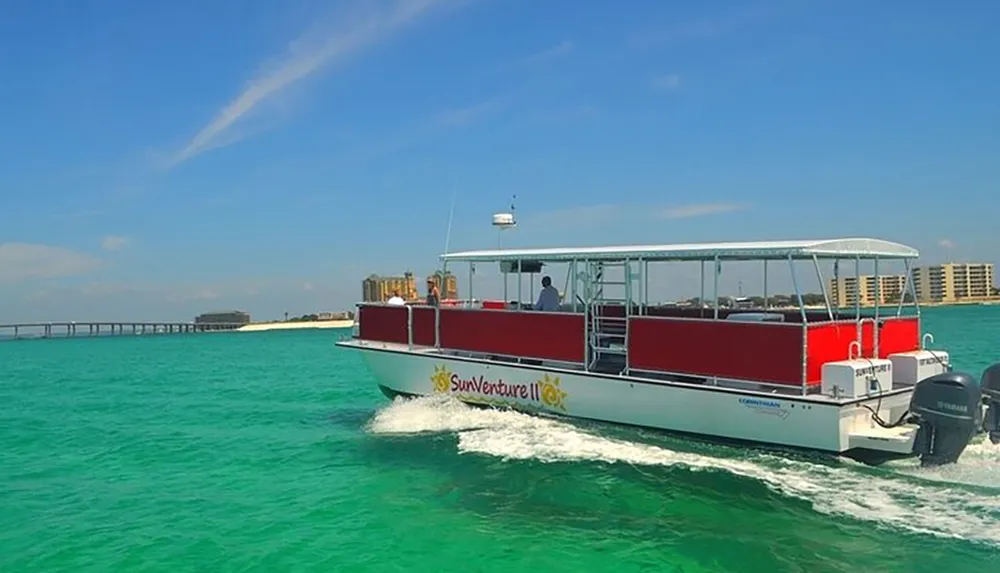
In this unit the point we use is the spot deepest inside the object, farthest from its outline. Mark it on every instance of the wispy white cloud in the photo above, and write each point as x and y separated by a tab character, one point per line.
192	294
305	57
441	122
700	210
80	214
173	293
523	63
946	244
422	131
99	289
568	114
666	82
604	214
115	243
467	115
581	216
206	294
25	261
561	49
265	297
695	30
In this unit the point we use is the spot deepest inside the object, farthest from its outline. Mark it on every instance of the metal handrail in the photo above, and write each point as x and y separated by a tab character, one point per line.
409	327
861	333
852	345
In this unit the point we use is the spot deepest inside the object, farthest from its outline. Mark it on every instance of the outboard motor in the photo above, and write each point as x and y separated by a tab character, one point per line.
946	407
991	396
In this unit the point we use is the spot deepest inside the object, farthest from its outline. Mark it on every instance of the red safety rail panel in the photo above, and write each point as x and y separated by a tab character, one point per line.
707	313
423	325
763	352
828	342
541	335
832	342
383	324
896	335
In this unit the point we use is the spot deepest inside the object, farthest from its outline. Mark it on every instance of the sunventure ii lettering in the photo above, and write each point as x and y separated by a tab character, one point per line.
499	388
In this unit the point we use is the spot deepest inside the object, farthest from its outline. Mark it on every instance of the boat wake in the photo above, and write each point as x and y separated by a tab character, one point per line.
959	501
979	466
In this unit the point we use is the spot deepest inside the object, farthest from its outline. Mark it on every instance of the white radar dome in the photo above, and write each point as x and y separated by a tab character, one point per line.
503	220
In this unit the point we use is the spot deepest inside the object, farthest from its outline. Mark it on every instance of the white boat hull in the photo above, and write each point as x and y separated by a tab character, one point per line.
810	422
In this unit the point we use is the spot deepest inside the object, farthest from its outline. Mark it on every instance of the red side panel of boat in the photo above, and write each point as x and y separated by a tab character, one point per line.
383	323
764	352
423	325
897	335
541	335
828	342
831	342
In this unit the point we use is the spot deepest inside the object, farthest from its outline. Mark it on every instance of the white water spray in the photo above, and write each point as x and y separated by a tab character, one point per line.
927	505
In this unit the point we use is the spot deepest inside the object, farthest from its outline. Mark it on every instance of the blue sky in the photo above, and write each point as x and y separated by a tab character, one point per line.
162	159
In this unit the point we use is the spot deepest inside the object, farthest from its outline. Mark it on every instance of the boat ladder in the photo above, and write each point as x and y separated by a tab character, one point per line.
607	334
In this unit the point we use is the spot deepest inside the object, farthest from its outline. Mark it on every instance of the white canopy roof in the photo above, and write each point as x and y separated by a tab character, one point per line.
760	250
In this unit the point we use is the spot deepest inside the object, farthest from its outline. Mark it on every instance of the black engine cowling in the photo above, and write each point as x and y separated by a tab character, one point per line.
947	409
991	395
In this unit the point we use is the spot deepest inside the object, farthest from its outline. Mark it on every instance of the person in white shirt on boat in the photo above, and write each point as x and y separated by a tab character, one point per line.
395	299
548	298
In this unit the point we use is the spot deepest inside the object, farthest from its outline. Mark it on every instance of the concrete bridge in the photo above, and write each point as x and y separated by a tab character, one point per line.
112	328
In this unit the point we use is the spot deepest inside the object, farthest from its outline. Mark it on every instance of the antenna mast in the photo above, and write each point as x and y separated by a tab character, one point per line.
447	236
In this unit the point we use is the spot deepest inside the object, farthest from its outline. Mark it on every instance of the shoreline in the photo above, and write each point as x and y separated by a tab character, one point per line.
994	301
265	326
976	302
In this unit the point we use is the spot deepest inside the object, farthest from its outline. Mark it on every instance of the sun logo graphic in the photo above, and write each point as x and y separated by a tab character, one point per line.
441	378
552	395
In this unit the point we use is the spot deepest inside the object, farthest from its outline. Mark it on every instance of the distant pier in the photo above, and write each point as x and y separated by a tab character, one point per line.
113	328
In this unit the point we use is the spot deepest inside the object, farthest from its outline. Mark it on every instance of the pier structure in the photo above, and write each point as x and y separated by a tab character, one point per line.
114	328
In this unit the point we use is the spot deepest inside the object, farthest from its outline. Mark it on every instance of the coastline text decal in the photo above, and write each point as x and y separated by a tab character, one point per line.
545	391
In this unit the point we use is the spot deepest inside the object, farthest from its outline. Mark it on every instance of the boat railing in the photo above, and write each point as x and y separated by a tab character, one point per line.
555	336
770	352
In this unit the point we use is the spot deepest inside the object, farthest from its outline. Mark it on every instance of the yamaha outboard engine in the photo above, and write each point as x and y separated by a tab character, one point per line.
946	407
991	396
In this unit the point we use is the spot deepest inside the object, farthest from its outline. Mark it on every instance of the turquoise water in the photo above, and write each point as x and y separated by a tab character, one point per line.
275	452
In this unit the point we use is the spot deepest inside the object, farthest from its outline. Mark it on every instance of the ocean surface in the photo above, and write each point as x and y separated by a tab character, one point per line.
274	451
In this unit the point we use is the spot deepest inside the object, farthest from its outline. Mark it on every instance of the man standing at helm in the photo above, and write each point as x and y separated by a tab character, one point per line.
433	294
548	299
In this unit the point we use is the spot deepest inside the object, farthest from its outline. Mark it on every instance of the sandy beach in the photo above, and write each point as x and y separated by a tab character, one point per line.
262	326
